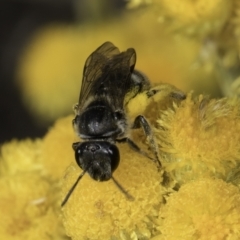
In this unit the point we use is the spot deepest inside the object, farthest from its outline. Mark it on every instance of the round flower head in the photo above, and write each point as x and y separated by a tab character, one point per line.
49	69
200	139
199	18
57	152
17	156
27	211
236	22
203	209
100	210
29	190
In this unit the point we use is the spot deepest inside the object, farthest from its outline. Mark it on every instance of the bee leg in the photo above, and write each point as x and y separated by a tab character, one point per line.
140	80
178	95
173	93
134	146
141	121
152	92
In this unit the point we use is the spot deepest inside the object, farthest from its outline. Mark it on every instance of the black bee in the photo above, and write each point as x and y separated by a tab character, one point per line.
109	82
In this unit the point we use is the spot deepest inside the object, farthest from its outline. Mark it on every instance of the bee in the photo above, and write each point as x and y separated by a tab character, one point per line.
109	83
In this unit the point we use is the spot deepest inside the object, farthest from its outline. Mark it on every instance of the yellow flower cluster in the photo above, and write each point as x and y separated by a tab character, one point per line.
99	210
199	18
194	196
200	210
28	197
200	138
195	18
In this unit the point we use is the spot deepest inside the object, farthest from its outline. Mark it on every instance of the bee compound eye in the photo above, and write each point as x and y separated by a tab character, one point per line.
114	156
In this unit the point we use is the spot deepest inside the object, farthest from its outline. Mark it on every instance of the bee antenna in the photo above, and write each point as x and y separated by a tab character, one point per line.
129	196
72	188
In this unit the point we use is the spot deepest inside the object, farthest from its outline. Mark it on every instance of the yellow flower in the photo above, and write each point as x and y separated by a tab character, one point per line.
31	171
203	209
27	211
197	17
29	182
50	68
18	157
99	210
197	138
57	152
50	155
200	138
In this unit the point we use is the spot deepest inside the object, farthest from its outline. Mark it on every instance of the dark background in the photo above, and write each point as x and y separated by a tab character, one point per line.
19	20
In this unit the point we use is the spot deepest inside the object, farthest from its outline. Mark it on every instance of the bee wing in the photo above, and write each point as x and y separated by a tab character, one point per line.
93	69
117	79
107	73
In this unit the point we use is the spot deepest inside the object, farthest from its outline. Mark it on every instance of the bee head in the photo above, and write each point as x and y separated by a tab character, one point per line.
98	158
